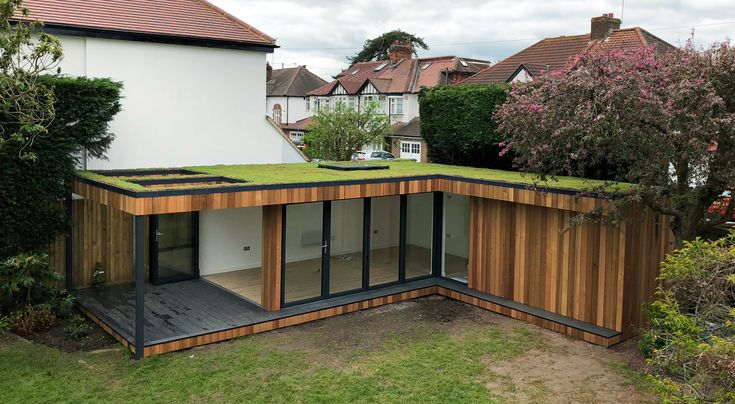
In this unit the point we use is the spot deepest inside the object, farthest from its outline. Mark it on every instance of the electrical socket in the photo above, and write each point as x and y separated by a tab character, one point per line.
246	248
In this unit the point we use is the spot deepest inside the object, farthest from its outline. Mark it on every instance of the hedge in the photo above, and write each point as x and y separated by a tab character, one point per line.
458	126
30	216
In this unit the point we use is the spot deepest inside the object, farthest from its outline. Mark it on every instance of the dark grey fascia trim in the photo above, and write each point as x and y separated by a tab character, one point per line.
57	29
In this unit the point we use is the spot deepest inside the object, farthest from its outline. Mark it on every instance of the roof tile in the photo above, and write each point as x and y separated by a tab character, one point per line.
196	19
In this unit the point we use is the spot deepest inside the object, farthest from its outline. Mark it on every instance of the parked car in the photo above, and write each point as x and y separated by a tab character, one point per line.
373	155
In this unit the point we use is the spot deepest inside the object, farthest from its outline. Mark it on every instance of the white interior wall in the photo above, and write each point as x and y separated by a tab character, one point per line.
385	222
456	225
347	229
419	221
223	234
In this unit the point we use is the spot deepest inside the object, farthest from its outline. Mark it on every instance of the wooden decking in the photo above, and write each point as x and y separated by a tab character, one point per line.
191	313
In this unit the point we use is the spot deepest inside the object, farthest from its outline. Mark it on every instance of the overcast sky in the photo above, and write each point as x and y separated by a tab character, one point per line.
322	33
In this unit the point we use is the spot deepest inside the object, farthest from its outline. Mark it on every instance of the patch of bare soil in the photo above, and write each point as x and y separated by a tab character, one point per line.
56	338
338	339
564	370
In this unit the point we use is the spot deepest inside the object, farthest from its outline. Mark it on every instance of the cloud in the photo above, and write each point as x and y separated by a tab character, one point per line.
322	34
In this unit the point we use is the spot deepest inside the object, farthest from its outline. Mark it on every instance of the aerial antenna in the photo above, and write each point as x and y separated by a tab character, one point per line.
622	10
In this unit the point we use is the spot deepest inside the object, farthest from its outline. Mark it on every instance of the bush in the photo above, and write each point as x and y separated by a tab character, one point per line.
30	217
26	280
64	304
77	327
98	276
690	342
458	125
31	320
4	324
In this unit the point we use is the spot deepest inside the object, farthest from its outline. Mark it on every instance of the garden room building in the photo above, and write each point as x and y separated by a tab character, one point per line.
203	254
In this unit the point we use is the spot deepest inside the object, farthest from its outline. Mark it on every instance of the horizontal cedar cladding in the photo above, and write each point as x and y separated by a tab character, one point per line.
192	19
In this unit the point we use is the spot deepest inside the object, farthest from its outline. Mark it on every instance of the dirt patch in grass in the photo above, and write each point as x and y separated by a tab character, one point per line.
56	337
554	368
567	370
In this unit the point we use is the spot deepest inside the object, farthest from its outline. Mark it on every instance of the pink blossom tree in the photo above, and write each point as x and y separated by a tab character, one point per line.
665	120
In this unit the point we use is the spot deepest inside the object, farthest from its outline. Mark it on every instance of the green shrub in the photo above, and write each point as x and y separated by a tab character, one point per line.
64	304
98	276
458	125
26	280
4	324
77	327
31	320
690	341
30	216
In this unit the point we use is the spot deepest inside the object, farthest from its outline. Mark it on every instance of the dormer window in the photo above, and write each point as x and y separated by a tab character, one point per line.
382	65
425	66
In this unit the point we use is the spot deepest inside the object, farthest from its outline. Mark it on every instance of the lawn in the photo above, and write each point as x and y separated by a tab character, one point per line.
429	350
263	174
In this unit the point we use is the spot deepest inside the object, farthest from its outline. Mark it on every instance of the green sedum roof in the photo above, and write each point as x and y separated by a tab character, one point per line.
269	174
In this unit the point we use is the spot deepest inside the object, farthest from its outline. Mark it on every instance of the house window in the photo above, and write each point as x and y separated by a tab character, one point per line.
321	103
308	103
396	105
297	136
348	102
277	114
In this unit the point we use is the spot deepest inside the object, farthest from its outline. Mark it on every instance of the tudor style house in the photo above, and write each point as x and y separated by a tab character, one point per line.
287	98
193	75
394	84
555	53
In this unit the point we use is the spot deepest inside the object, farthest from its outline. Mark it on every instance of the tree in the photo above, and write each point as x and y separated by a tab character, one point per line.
458	125
336	134
668	119
26	53
377	48
49	123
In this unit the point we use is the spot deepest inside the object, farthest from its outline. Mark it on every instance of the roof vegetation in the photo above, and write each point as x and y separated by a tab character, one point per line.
267	174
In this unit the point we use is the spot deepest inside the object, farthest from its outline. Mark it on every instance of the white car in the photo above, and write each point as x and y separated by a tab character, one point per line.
373	155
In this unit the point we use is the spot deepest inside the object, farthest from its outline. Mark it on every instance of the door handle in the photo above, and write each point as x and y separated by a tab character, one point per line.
158	236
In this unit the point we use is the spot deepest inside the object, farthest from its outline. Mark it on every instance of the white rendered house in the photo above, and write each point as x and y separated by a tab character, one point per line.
194	80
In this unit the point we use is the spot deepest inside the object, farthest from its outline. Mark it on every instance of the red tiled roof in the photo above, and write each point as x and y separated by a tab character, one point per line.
555	53
301	124
549	53
406	76
196	19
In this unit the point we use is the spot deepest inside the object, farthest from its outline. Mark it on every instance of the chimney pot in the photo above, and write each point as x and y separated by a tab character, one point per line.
601	26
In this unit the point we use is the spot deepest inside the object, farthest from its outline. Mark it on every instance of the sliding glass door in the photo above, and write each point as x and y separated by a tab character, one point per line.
337	247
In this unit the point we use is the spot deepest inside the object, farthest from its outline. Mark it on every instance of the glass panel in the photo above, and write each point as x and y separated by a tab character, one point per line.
345	265
175	246
384	239
419	234
303	275
456	236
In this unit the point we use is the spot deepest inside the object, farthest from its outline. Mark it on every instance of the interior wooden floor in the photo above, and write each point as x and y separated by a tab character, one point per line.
303	278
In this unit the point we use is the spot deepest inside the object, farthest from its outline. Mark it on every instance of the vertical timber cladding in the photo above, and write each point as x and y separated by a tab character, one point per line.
272	256
101	234
530	254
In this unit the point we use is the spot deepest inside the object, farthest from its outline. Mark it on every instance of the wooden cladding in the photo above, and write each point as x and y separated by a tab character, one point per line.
101	235
272	255
262	197
591	272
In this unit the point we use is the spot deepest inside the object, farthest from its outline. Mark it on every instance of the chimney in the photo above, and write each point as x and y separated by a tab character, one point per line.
601	26
268	72
400	50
